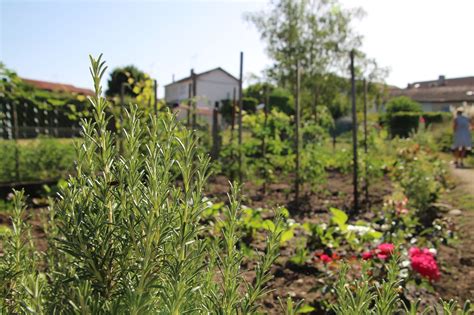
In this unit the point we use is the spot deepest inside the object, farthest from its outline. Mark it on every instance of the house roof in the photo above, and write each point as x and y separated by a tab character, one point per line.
442	81
201	74
439	91
51	86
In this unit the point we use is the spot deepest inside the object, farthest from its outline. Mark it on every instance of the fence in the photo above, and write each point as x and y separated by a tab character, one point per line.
25	120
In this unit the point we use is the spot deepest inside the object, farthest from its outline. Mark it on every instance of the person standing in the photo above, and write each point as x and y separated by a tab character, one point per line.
462	137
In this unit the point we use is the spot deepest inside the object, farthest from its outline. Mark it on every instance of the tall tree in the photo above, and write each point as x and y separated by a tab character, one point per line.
318	34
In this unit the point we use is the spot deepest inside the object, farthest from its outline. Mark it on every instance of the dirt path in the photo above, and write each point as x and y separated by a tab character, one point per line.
465	177
457	261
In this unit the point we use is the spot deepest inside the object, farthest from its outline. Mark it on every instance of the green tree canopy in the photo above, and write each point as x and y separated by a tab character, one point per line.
319	35
130	75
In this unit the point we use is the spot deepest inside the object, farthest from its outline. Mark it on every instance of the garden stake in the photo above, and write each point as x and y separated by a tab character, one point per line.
15	136
366	186
240	115
193	77
264	146
190	97
354	133
155	87
297	135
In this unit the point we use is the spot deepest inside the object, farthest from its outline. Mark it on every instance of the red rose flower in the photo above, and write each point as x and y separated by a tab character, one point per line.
385	250
325	258
423	262
367	255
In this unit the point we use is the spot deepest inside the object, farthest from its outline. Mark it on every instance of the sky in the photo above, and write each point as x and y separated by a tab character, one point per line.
51	40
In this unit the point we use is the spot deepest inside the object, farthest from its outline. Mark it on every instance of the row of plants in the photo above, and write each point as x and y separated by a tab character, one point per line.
37	159
407	226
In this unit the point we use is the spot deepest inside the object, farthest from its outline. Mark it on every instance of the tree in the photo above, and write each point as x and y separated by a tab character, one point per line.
130	76
317	34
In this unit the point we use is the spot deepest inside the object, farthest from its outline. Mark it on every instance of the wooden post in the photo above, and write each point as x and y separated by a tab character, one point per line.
366	186
232	122
215	132
297	135
240	115
354	134
265	123
15	137
3	116
193	77
155	103
190	103
24	123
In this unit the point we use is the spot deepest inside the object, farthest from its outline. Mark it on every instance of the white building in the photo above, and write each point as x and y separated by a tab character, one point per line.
211	86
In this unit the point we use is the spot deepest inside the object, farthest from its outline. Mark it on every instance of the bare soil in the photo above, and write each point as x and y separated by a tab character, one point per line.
457	261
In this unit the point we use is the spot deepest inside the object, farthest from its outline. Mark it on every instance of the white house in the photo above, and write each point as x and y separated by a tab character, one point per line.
211	86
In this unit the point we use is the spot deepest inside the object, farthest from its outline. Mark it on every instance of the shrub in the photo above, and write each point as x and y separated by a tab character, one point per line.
125	235
402	124
436	117
365	296
249	104
282	100
226	110
402	104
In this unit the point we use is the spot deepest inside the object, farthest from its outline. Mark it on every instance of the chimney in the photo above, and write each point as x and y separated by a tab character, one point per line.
441	80
173	77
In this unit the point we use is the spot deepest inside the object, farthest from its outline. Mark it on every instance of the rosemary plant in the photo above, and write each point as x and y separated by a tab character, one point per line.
363	296
125	235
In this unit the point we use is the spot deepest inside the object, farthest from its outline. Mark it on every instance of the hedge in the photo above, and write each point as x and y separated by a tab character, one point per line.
249	104
403	123
436	117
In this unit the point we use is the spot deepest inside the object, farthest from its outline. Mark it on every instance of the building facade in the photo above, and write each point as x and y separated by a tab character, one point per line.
211	87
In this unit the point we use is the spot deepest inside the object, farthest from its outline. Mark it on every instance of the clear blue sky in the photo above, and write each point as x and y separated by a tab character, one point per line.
50	40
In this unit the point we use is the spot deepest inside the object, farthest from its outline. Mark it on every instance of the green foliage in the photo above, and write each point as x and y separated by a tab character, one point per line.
13	90
22	284
402	124
402	104
249	104
282	100
436	117
278	136
129	76
363	295
39	159
126	234
318	35
421	176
